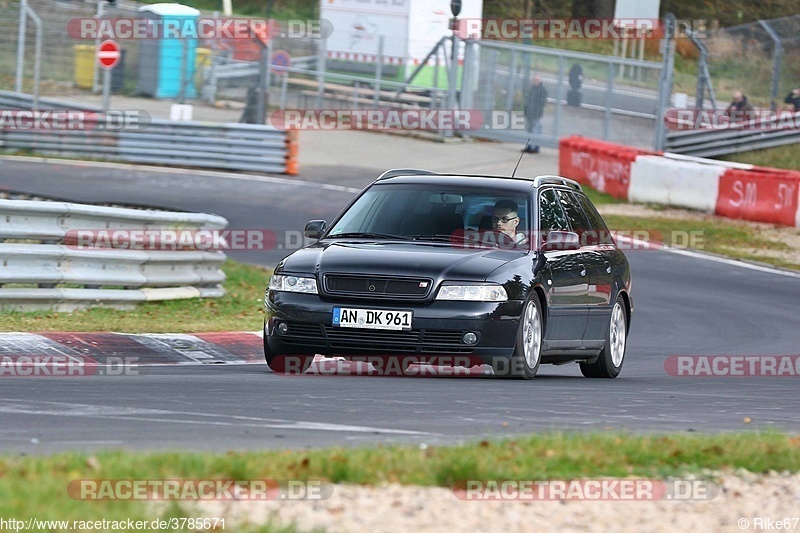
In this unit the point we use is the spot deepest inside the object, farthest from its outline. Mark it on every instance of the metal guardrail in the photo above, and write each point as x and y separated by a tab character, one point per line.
196	144
229	72
62	275
735	138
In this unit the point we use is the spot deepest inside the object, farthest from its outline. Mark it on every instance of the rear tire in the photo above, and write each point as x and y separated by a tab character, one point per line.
609	363
524	364
286	364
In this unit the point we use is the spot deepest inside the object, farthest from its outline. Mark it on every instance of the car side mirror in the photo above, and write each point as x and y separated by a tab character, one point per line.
561	240
315	228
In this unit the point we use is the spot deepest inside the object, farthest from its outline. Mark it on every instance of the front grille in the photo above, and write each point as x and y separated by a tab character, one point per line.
377	286
384	342
304	334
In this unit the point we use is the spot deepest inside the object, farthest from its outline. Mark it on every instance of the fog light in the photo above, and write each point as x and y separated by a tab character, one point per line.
283	329
469	338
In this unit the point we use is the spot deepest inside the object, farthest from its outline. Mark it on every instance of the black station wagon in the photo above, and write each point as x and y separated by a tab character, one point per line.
456	270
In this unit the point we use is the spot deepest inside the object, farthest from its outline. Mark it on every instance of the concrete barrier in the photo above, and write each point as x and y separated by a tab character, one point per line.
727	189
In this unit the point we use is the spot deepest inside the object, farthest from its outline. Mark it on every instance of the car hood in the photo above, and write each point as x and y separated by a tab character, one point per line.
435	261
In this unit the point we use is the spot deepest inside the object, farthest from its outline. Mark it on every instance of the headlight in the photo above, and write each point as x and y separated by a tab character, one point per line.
280	282
487	292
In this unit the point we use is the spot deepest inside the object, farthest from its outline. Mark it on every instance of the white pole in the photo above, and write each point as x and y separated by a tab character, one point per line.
106	89
23	7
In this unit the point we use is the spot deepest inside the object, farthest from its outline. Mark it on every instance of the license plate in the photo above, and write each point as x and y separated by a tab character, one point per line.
346	317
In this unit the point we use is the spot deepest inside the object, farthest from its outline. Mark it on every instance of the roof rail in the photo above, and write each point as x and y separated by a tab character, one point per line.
406	172
556	180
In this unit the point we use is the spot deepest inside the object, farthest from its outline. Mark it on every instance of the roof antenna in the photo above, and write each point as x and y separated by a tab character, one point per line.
527	143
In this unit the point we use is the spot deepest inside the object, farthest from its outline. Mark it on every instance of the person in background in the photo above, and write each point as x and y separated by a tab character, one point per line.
793	99
739	109
535	100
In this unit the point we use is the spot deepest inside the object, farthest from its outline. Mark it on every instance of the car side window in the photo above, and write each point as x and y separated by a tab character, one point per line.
577	220
600	230
551	216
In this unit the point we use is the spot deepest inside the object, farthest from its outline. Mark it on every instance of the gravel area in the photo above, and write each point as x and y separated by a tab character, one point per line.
393	508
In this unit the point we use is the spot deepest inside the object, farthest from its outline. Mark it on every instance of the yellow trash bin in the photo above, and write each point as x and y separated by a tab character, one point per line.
201	61
84	65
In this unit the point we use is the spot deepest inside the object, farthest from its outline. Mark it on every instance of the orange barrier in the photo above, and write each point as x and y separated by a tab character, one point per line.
760	194
291	153
603	166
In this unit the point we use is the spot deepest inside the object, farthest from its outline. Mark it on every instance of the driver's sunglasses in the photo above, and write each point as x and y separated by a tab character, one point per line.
504	220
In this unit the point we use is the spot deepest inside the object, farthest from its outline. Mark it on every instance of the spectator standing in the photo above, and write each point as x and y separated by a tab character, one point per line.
535	100
793	99
739	109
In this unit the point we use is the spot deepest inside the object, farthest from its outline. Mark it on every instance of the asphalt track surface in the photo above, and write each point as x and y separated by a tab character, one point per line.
684	305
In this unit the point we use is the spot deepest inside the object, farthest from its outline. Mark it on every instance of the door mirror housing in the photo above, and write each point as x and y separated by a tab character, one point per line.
315	228
561	240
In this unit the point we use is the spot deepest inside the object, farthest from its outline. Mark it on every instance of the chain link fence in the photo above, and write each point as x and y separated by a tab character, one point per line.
65	61
615	99
592	95
761	59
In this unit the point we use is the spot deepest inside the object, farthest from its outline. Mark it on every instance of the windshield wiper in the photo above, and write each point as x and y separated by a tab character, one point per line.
439	237
367	235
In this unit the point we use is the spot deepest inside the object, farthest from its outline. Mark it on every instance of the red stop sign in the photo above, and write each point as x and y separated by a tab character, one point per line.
108	54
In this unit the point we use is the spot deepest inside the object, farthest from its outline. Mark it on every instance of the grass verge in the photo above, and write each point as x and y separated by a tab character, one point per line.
780	157
37	486
738	240
241	309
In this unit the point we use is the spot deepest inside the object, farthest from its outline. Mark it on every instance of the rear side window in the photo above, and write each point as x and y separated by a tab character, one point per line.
600	235
572	209
551	216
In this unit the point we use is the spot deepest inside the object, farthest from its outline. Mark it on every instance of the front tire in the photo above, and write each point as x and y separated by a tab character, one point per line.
286	364
524	364
609	363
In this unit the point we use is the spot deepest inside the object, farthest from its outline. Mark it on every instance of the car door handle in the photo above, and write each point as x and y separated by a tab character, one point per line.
583	270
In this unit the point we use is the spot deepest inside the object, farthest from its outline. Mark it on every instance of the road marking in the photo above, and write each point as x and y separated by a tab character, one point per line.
699	255
133	413
183	171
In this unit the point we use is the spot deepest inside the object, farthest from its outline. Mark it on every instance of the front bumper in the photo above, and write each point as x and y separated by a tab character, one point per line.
437	329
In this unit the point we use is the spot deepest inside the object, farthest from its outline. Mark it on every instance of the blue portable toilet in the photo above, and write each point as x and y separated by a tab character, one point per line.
167	63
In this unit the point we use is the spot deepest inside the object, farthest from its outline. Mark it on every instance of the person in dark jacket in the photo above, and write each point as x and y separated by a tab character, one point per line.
739	109
794	99
535	100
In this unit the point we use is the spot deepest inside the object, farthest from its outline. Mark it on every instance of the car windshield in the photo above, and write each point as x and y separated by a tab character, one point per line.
436	213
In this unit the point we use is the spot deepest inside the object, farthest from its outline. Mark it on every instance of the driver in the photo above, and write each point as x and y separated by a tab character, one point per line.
505	219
